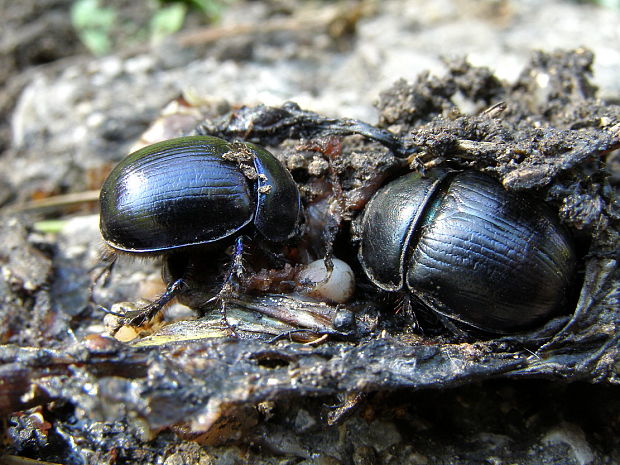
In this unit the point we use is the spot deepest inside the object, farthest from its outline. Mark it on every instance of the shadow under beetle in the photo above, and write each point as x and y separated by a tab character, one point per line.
468	249
183	197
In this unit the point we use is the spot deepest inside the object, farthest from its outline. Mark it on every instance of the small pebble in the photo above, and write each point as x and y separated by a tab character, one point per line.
126	334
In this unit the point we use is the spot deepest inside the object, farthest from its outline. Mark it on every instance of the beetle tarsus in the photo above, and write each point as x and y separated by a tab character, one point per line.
110	312
231	329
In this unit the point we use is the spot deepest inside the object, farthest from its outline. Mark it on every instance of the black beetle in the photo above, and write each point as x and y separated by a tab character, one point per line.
468	249
182	195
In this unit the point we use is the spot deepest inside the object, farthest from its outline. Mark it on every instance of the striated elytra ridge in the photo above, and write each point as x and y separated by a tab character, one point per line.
182	192
468	249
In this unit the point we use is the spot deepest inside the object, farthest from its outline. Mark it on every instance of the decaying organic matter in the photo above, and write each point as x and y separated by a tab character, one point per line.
186	383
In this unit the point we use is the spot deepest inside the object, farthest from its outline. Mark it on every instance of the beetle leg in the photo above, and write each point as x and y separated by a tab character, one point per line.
228	288
137	317
460	334
236	271
309	284
318	335
106	263
404	305
237	262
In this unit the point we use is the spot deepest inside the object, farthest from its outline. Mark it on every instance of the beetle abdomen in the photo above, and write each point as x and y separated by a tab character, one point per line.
174	194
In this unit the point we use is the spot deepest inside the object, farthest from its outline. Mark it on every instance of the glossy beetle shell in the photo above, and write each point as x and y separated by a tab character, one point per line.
182	192
468	249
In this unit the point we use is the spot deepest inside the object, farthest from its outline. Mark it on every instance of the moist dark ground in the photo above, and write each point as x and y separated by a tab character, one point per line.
387	394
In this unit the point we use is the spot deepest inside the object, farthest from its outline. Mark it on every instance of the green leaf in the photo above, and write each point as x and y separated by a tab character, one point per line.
96	40
614	4
93	24
212	8
167	20
87	14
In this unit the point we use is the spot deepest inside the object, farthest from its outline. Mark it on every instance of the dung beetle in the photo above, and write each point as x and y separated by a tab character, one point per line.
468	249
180	197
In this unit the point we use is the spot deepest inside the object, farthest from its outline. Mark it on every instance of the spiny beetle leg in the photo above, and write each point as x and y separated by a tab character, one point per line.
137	317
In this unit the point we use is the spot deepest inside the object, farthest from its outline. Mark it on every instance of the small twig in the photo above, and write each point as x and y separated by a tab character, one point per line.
54	202
319	19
